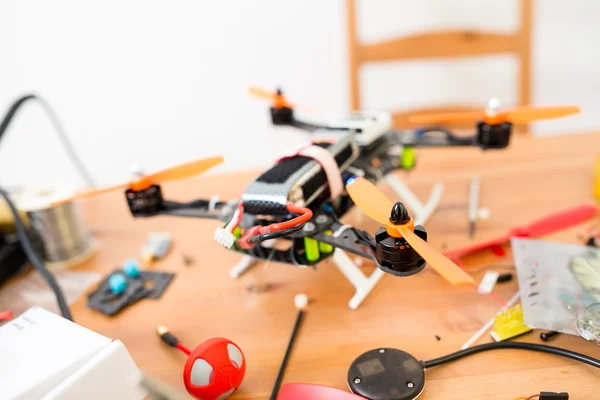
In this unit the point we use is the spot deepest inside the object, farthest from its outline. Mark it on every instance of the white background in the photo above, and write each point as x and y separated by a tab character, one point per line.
163	82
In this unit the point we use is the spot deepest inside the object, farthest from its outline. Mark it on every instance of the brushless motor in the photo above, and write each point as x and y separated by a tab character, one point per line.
395	255
144	202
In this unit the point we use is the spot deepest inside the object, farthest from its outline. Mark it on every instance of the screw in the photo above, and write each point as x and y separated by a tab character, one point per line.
545	336
382	350
357	380
410	385
309	227
321	219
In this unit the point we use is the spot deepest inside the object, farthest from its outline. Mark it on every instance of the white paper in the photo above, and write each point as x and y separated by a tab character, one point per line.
33	290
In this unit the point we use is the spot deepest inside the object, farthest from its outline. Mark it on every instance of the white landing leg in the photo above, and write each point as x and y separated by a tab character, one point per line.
248	262
421	212
363	284
242	266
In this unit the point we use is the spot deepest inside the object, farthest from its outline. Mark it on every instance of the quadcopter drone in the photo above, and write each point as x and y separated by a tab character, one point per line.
291	212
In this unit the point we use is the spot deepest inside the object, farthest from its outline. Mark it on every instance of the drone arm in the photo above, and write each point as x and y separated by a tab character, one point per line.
212	209
349	239
431	137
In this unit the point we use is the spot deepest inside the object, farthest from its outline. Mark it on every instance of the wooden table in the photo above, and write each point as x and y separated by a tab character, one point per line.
533	177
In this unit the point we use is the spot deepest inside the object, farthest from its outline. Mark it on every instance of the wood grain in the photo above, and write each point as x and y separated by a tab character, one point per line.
451	43
531	178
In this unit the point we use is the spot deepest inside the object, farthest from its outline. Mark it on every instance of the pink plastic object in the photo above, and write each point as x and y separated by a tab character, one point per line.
306	391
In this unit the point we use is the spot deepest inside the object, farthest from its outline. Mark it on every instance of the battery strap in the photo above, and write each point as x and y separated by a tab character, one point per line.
329	165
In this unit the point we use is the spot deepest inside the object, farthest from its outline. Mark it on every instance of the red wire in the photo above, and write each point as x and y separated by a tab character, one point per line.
183	348
241	214
304	215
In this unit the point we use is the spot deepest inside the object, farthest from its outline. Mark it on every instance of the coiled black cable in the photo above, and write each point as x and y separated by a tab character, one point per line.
513	345
35	259
10	114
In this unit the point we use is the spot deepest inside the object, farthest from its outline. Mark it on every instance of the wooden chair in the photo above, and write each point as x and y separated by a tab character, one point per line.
443	44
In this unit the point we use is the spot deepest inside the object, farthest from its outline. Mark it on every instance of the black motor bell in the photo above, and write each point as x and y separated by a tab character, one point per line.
394	255
145	202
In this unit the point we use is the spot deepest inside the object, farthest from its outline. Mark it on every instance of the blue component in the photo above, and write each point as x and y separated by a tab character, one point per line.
117	283
327	207
350	180
131	268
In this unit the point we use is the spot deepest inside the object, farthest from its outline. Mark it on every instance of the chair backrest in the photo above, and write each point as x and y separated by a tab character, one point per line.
443	44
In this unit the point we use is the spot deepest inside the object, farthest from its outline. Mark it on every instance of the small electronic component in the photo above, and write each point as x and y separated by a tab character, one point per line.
386	373
120	290
156	246
554	396
509	324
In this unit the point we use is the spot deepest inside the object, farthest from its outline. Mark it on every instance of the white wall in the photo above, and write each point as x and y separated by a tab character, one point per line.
162	82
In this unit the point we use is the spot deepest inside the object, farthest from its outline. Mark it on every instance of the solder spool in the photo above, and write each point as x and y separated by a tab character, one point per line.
57	226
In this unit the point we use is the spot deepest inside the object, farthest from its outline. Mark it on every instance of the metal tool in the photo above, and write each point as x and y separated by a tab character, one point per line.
474	190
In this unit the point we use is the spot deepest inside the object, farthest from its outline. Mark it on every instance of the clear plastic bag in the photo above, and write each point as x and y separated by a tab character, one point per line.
31	289
560	286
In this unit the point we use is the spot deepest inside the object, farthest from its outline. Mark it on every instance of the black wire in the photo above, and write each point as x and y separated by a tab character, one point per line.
34	258
57	126
286	357
513	345
279	234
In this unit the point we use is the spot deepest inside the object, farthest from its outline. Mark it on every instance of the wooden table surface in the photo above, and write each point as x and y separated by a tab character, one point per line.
533	177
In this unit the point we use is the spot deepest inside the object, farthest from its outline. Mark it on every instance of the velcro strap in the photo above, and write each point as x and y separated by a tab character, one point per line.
329	165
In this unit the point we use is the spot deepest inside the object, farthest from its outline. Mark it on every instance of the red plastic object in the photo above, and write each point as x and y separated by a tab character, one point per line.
6	315
306	391
213	369
544	226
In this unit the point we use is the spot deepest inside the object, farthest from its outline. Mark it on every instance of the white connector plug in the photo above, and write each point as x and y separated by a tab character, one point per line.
224	237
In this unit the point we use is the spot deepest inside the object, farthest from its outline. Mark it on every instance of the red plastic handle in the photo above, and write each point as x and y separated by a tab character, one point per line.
558	221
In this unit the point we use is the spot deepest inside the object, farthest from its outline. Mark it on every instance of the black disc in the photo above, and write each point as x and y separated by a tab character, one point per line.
386	374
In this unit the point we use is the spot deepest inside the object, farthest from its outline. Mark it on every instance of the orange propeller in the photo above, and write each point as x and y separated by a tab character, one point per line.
182	171
277	98
494	115
377	206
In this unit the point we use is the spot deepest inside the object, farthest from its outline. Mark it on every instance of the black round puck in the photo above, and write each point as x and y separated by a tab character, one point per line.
386	374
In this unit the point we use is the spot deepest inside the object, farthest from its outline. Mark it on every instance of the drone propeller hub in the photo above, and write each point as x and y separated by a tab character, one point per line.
399	214
393	231
141	183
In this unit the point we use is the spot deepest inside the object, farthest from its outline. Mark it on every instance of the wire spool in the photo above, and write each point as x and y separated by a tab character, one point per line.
59	230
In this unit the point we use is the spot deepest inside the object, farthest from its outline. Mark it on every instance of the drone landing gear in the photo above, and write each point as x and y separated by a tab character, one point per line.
350	269
420	211
362	283
242	266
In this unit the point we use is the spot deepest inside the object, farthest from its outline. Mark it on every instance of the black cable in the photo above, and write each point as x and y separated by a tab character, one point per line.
34	258
286	357
279	234
57	126
513	345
